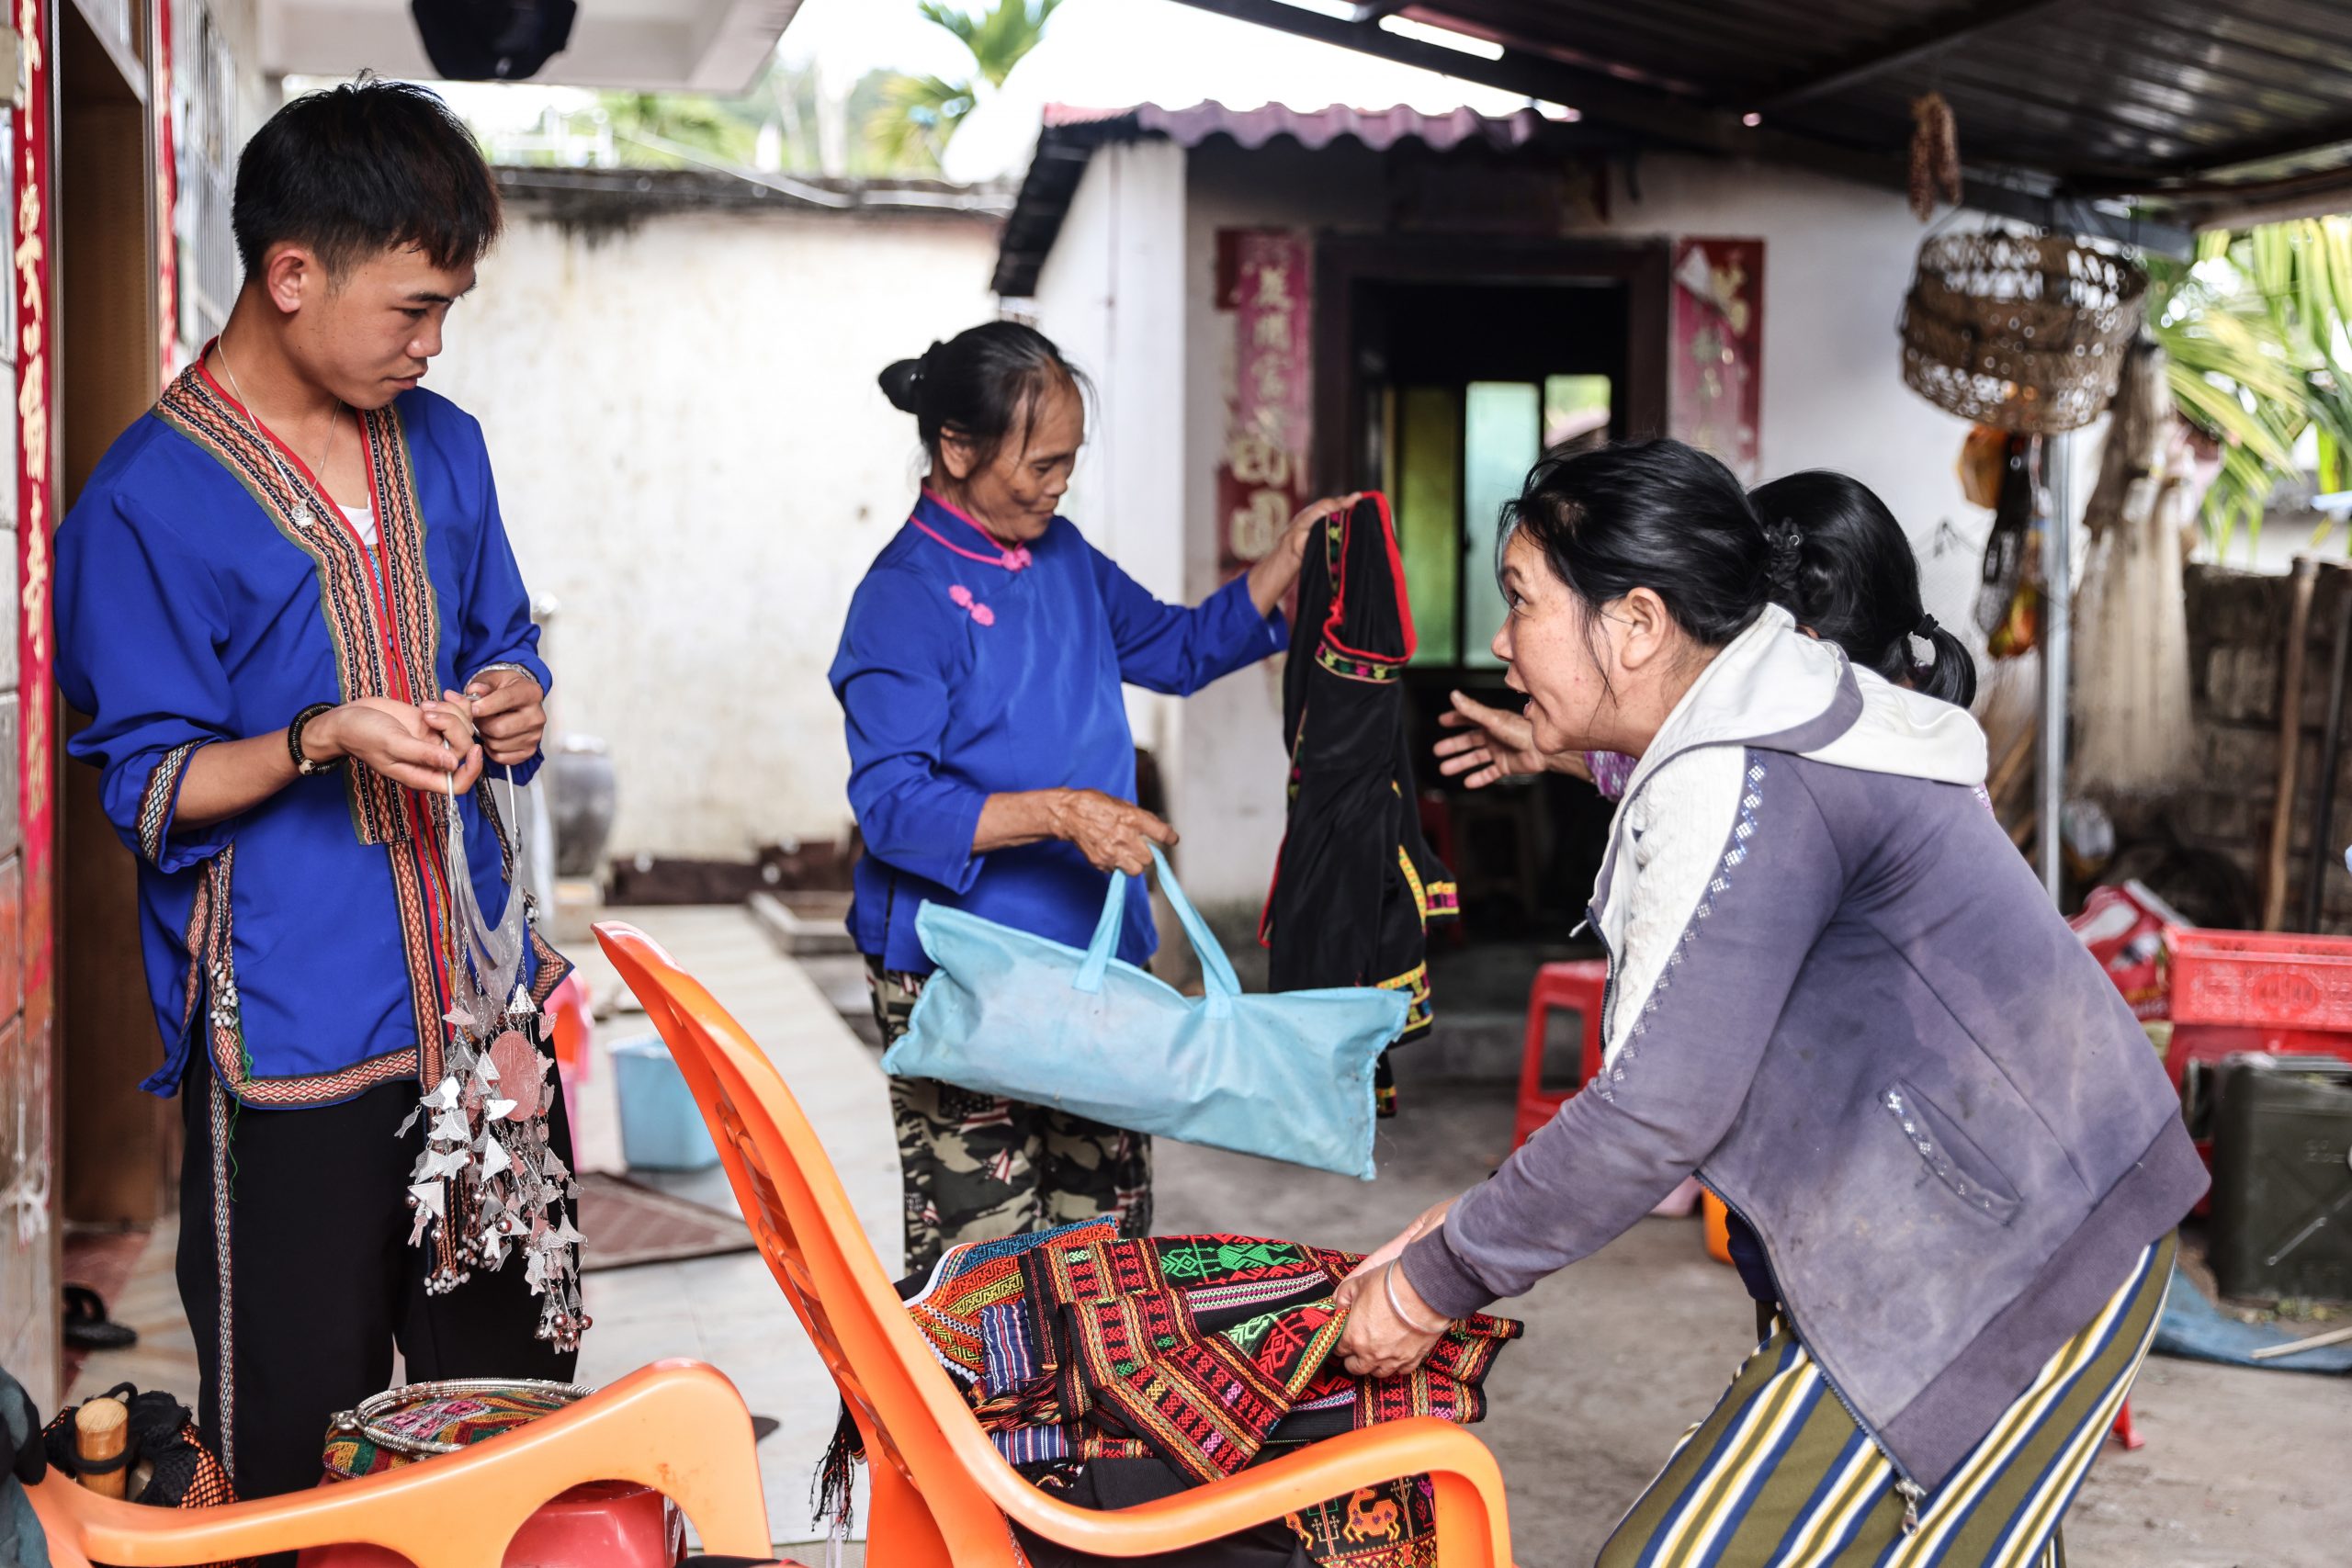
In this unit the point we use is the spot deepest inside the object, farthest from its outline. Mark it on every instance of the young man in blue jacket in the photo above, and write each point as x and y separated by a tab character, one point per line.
286	601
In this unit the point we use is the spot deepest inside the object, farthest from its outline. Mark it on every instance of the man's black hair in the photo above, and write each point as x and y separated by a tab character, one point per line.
362	168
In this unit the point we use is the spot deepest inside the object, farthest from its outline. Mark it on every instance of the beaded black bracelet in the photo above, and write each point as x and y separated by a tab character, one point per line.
304	765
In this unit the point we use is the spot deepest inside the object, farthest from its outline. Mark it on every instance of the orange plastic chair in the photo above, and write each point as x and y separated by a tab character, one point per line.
943	1497
677	1426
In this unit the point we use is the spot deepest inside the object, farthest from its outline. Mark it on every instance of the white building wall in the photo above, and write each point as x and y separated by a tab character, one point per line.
693	459
1838	261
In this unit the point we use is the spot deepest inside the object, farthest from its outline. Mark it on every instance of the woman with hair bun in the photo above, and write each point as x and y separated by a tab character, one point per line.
992	766
1856	584
1839	998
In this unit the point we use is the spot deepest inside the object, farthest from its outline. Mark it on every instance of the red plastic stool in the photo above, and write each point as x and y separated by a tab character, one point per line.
1577	987
2125	1432
603	1524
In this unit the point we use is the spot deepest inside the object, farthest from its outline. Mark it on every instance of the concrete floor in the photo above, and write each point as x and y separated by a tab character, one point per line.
1624	1353
1626	1350
2242	1469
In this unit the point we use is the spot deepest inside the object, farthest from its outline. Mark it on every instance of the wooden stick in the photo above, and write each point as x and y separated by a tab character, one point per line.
101	1430
2332	1337
2290	737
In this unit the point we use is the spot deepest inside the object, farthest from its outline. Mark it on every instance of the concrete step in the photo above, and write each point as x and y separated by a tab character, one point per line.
801	934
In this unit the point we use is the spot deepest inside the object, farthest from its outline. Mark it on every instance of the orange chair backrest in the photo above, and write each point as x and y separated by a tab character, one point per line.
910	1415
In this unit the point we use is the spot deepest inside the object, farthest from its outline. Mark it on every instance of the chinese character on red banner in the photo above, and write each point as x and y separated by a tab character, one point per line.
1261	473
25	1153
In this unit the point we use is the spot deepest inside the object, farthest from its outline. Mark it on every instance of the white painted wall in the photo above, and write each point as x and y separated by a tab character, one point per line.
1838	260
693	458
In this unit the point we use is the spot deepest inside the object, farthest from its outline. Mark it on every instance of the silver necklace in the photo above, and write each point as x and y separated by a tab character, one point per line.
303	516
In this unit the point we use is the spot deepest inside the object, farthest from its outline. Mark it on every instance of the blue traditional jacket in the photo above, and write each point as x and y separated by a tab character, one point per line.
966	670
208	589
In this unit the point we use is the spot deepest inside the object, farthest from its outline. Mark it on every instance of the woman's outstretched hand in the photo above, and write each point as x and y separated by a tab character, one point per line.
1493	744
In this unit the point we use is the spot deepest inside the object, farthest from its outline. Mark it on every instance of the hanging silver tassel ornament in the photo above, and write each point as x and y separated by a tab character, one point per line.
488	1184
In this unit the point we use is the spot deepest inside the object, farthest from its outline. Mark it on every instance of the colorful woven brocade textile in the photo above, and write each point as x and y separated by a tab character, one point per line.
1203	1352
461	1418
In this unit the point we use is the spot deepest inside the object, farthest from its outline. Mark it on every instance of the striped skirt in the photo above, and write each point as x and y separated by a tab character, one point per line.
1780	1476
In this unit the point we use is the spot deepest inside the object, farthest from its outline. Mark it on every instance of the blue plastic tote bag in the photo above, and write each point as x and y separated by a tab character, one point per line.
1288	1077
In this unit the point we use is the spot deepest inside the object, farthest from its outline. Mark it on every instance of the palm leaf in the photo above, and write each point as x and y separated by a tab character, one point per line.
2226	416
954	18
998	37
2259	332
917	115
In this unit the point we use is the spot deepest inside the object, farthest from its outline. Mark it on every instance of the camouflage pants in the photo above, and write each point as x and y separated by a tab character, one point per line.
975	1166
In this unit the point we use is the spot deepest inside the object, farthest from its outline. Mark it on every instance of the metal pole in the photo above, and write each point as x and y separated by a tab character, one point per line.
2057	654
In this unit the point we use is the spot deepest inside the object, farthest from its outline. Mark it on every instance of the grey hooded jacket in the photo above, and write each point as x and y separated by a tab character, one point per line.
1838	996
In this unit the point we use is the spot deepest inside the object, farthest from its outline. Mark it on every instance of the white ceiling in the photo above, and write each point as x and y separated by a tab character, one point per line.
708	46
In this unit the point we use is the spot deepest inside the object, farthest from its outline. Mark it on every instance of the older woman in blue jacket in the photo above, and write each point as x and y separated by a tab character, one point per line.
1837	996
992	766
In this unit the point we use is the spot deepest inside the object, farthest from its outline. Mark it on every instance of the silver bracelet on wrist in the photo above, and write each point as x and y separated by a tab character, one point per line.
1388	1287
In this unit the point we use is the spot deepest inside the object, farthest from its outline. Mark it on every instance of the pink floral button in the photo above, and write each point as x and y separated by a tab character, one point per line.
964	601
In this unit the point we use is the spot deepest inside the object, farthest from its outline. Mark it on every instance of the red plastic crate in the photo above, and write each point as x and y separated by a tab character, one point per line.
2259	979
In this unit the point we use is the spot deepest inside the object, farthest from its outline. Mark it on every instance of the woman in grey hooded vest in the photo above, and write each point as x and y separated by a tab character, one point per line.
1840	998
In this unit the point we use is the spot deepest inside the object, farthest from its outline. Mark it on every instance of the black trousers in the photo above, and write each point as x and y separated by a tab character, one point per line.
295	1269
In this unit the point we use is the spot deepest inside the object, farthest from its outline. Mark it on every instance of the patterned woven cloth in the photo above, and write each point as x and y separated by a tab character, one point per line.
1202	1352
459	1419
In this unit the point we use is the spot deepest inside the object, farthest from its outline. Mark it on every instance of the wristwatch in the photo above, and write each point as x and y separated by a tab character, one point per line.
306	766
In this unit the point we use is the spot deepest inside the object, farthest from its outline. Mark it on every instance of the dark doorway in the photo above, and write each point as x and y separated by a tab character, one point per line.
1444	368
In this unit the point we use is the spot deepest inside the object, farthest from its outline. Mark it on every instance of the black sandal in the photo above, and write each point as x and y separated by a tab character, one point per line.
87	1326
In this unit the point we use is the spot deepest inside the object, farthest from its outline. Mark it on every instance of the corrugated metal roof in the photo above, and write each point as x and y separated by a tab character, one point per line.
1070	134
2195	110
2135	119
1375	129
621	197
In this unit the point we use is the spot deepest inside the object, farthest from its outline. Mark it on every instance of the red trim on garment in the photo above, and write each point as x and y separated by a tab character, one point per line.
440	906
1011	557
1266	911
1397	575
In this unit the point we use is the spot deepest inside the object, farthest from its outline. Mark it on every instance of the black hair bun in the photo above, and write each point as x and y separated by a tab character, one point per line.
901	382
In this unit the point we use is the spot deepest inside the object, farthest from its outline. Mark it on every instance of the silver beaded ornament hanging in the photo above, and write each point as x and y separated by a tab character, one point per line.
488	1184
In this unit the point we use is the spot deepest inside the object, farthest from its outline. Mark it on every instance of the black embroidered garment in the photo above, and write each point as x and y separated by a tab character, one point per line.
1355	885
